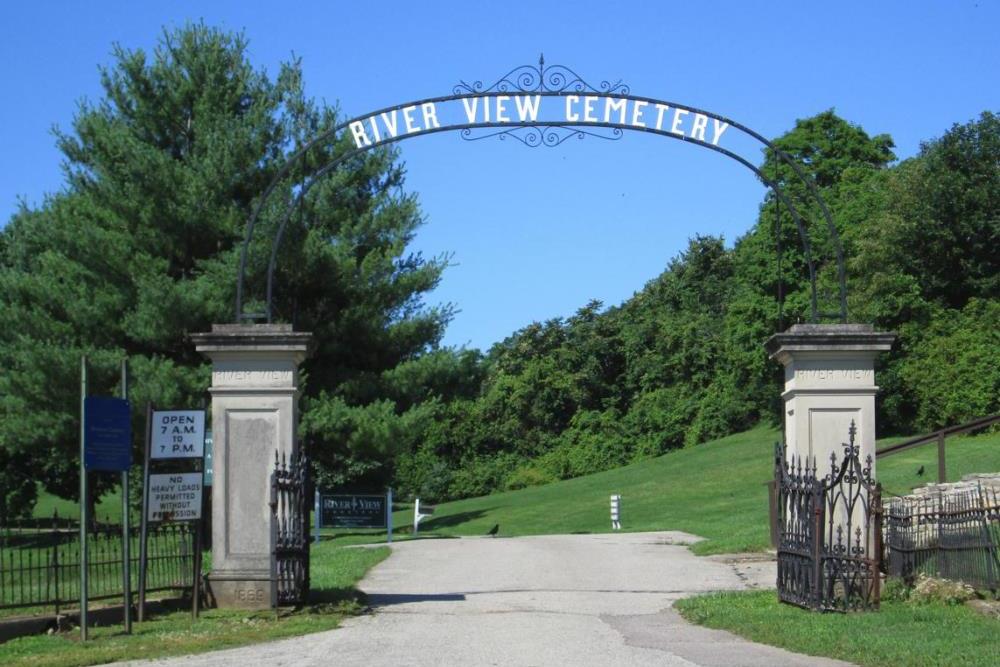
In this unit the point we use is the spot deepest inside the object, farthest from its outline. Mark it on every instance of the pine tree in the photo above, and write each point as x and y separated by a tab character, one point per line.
140	249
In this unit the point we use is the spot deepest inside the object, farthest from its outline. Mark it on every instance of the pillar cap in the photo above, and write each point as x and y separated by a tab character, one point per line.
253	338
829	338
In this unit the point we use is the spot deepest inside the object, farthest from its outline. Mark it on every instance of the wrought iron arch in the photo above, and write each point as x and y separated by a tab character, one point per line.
541	81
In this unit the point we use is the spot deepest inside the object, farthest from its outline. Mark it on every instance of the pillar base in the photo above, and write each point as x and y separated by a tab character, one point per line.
247	590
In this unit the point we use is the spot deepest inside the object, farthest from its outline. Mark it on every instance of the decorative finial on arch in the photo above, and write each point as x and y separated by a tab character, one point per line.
541	79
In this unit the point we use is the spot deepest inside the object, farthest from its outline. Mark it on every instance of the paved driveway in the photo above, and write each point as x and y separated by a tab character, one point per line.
549	600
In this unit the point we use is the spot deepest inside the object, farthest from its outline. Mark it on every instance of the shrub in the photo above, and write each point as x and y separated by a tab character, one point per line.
529	475
930	590
482	475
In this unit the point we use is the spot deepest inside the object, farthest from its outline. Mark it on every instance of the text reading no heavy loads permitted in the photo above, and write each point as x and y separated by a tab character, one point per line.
175	497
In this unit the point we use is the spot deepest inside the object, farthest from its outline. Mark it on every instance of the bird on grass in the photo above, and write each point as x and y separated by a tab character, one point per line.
494	530
920	472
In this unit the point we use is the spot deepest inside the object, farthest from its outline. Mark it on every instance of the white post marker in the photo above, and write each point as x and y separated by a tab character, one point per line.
388	515
616	523
317	518
419	515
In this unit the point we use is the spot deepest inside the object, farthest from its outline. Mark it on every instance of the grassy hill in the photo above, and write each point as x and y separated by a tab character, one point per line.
716	490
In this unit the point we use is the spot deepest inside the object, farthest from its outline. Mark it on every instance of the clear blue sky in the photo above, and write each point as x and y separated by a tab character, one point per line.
536	233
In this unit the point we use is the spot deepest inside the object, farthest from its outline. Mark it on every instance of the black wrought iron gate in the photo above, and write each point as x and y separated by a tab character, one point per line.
829	531
289	530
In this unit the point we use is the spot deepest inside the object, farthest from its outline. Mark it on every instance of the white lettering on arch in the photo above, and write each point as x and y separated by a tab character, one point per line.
527	107
360	138
615	104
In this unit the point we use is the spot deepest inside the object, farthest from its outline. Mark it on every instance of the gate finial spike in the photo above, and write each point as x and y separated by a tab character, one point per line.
541	61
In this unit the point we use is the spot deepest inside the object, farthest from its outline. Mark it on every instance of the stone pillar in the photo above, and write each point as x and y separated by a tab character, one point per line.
829	382
254	414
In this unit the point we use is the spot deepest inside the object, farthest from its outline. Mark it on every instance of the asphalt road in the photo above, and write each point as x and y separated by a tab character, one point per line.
550	600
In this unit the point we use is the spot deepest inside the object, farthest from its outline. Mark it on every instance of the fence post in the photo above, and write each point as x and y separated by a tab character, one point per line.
772	510
55	555
83	500
942	474
817	545
144	521
126	532
942	559
274	534
306	480
316	514
877	545
196	574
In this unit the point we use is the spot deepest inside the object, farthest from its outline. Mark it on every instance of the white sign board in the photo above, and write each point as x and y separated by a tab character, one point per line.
178	434
175	497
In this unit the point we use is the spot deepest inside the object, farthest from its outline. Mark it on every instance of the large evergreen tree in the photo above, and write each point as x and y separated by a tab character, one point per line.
140	249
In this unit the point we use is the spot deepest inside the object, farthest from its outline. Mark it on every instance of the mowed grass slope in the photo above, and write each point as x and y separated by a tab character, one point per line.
715	490
710	490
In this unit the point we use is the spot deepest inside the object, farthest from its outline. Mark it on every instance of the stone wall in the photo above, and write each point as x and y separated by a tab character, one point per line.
989	481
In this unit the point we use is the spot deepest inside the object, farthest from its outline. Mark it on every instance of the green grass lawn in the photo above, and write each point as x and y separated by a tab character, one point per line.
334	573
901	634
108	508
964	454
715	490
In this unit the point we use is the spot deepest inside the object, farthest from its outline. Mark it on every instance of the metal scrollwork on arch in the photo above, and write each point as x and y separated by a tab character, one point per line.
527	86
541	78
550	136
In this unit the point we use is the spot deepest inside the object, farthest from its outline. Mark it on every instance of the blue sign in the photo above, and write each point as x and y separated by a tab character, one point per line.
107	434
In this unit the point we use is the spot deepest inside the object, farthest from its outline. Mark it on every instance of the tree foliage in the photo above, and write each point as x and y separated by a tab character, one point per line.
682	361
140	249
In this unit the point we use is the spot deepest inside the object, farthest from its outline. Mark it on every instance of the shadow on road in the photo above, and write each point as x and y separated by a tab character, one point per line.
388	599
335	595
449	520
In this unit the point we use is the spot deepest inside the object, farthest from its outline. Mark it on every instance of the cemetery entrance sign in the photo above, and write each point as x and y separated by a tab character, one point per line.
541	106
352	511
256	359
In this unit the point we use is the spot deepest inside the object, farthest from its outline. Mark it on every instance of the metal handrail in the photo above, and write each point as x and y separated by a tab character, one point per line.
939	437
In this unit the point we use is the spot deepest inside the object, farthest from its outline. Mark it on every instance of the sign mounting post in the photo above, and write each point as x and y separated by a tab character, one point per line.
175	439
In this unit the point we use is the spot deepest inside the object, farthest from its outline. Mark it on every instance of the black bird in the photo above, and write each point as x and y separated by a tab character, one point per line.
494	530
920	472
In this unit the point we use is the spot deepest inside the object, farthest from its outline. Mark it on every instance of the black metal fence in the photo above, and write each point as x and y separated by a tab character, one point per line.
40	562
290	494
952	536
829	531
